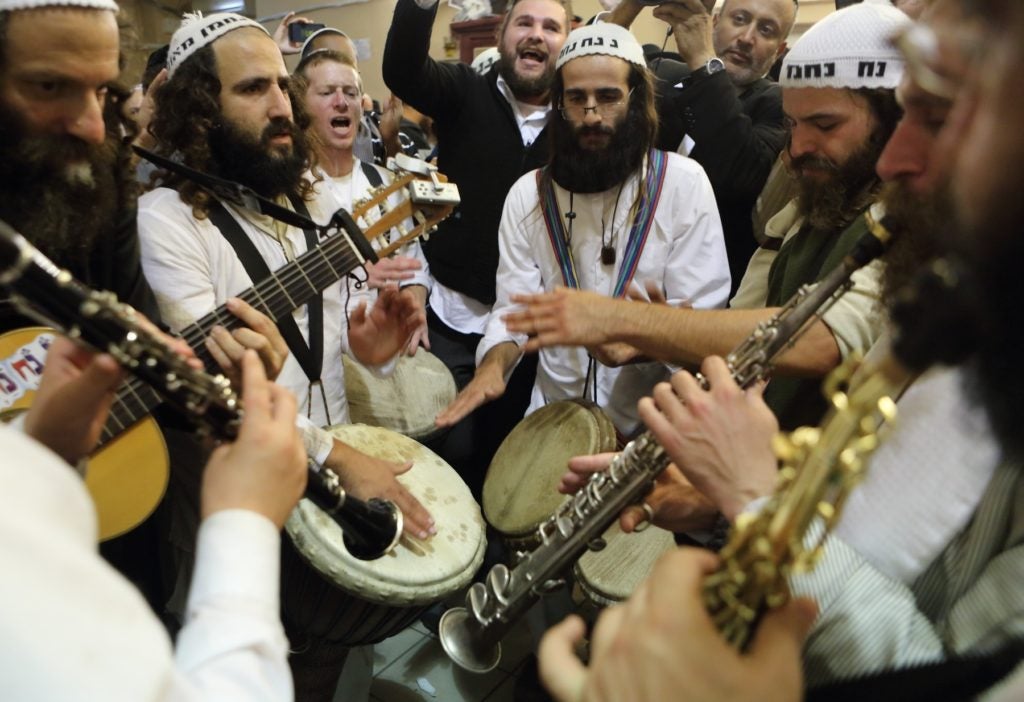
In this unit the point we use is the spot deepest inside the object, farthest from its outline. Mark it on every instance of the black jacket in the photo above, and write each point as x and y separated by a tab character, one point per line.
480	149
738	136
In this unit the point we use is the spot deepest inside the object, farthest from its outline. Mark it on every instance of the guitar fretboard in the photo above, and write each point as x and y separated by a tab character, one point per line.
287	289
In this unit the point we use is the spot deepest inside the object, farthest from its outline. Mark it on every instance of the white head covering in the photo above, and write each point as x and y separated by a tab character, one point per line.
848	49
12	5
307	46
485	59
197	31
601	38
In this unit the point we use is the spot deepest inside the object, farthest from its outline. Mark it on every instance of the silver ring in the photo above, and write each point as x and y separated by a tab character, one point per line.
647	520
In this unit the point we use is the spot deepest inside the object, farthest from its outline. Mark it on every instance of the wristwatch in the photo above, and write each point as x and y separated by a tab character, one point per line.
713	66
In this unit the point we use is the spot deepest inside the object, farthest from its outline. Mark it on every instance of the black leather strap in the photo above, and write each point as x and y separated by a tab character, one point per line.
310	357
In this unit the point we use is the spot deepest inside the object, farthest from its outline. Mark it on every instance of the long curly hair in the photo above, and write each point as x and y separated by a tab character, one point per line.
188	116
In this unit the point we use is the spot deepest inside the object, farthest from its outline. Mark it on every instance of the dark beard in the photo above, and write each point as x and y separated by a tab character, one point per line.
63	209
523	87
992	250
593	171
831	205
269	170
916	222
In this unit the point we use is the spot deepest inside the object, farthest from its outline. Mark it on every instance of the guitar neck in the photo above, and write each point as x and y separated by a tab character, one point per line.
424	202
287	289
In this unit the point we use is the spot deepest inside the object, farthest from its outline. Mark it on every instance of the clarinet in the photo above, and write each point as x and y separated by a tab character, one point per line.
53	296
471	635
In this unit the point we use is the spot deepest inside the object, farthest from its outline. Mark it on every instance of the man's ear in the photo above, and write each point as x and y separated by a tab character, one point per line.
781	50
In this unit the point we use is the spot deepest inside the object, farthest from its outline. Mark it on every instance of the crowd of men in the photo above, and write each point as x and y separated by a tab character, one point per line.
605	248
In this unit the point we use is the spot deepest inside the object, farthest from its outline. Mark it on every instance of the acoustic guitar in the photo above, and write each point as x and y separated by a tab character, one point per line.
128	472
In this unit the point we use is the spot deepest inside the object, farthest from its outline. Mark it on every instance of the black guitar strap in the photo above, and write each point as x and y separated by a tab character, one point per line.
310	357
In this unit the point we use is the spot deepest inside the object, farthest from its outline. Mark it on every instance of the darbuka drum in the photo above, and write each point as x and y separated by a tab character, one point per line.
521	487
407	401
355	602
611	575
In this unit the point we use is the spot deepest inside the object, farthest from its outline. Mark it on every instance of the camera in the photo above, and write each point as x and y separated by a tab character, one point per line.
299	32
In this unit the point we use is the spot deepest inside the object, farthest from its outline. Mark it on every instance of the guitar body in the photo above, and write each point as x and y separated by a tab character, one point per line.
126	476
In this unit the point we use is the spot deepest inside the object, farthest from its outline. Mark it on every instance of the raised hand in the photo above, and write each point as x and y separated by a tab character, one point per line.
376	336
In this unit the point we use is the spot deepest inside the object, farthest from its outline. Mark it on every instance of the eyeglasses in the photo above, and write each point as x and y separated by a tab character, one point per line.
605	105
923	50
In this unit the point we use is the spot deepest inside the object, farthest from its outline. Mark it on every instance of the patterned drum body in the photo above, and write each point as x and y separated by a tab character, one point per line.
521	487
610	575
407	401
344	599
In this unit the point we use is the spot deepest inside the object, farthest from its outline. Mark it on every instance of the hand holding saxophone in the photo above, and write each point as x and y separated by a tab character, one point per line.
720	438
662	644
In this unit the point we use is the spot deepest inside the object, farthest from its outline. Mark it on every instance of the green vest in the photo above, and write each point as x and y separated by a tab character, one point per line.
807	257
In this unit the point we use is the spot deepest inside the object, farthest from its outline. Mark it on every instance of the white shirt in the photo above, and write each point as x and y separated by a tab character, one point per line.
72	628
193	270
906	511
684	254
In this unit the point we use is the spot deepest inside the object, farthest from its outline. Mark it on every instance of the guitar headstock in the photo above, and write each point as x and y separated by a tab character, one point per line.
428	199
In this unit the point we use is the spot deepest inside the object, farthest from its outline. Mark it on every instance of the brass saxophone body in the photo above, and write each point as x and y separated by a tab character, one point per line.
471	635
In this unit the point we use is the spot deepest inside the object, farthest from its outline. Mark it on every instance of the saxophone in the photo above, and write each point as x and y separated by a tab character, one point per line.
471	635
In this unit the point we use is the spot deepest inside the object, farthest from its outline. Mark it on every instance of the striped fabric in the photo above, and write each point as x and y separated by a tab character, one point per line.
969	600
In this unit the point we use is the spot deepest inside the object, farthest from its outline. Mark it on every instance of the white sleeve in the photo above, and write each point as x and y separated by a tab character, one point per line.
233	645
518	272
697	270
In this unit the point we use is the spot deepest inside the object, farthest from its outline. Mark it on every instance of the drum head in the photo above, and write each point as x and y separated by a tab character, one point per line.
407	401
416	572
520	490
613	573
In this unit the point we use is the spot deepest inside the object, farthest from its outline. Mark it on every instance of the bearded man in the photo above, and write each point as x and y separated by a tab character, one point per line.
490	130
607	210
64	178
226	110
840	113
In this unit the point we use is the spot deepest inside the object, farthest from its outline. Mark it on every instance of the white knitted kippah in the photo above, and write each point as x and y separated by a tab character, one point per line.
307	46
197	31
849	48
601	38
13	5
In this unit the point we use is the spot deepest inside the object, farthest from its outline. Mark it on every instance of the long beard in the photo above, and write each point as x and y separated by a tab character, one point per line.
831	204
993	249
60	192
583	170
917	222
269	170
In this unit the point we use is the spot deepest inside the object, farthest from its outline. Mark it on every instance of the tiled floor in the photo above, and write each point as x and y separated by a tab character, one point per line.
412	667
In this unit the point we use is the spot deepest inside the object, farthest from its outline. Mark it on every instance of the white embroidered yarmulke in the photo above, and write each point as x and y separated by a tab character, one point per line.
849	48
12	5
602	38
196	31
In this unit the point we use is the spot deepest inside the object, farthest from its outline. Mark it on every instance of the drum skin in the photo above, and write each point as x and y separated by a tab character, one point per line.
407	401
521	487
328	593
610	575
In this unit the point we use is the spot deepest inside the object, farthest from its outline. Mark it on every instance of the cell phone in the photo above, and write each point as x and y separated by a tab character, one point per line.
709	5
299	32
